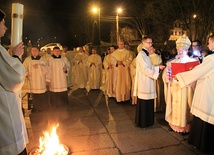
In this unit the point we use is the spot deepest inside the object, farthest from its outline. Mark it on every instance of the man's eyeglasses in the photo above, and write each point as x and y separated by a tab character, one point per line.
149	42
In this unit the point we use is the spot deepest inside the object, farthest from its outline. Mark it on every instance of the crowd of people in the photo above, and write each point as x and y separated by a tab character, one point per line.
139	80
189	94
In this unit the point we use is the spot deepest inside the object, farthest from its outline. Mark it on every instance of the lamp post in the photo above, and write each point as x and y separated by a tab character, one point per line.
119	10
97	10
195	26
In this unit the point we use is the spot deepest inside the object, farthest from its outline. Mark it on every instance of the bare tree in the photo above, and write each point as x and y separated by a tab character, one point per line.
152	18
137	12
155	17
198	17
128	34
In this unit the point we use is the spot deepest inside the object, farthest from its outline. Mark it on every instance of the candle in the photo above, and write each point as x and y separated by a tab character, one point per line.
17	24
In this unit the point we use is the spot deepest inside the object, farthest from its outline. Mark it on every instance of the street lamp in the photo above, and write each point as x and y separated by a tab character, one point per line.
119	10
195	26
97	10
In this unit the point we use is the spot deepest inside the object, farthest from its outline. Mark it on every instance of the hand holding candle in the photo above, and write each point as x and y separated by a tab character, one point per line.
18	50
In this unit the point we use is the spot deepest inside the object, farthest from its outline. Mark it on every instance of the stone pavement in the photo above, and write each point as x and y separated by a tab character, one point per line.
92	124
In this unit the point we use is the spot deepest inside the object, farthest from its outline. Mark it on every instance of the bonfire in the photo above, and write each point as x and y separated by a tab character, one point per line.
49	144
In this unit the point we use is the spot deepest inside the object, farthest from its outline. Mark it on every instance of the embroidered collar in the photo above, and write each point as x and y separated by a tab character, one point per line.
55	57
36	58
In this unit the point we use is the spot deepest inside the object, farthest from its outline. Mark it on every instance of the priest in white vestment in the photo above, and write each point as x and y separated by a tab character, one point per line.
109	73
94	64
59	68
121	62
81	73
178	100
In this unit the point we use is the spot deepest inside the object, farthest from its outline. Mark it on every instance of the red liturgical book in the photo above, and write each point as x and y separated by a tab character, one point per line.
182	67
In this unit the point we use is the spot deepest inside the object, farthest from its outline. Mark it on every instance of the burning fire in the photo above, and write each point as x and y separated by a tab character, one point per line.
50	145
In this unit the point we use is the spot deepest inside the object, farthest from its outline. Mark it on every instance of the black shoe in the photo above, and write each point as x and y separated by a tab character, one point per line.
170	129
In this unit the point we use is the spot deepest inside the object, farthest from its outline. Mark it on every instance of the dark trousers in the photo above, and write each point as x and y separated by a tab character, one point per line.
24	152
59	99
201	135
144	113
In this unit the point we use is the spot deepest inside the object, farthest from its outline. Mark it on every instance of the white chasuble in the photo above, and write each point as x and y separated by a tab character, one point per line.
122	85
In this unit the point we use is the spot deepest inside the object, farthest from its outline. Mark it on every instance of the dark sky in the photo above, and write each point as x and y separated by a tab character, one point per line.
50	18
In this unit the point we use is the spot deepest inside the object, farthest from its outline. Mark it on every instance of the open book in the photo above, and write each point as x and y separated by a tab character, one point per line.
182	67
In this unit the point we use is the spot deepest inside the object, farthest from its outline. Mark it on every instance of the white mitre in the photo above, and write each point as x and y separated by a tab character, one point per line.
183	41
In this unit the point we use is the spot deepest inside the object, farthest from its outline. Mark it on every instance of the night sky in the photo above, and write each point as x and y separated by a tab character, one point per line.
48	19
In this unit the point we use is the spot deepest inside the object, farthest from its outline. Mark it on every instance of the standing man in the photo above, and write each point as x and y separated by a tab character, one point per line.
59	67
197	50
36	71
178	100
94	64
81	74
121	62
13	134
69	56
201	134
144	87
109	73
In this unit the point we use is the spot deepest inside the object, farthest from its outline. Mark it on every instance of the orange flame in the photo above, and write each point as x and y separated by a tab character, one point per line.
50	145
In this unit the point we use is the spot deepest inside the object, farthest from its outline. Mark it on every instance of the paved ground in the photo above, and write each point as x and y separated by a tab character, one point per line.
95	125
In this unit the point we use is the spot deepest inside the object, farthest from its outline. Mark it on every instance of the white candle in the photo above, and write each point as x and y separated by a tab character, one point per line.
17	23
